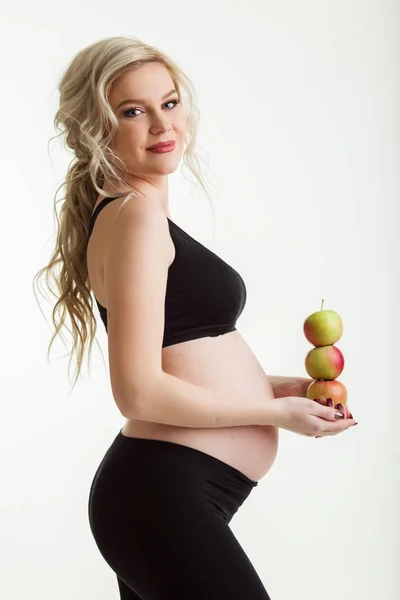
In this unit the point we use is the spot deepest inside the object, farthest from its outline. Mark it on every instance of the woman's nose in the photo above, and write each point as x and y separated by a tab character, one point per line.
161	124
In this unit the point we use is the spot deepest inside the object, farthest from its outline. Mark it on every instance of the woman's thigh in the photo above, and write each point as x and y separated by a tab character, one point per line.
125	592
198	561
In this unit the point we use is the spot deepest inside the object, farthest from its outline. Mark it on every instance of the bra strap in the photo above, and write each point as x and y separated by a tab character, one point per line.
97	210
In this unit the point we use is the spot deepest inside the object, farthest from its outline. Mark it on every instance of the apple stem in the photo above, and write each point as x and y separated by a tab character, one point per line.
322	304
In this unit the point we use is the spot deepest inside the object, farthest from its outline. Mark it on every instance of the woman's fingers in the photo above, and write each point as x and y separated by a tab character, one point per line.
334	419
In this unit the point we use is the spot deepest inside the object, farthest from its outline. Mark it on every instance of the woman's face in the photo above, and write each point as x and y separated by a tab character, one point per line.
148	111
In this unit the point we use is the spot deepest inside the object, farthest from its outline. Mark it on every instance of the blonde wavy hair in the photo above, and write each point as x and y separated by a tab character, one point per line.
88	123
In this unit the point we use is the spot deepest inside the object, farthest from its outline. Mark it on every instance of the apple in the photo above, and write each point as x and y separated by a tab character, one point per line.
323	328
330	393
324	362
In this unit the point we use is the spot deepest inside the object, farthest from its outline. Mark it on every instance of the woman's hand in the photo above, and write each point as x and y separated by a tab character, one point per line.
290	386
309	418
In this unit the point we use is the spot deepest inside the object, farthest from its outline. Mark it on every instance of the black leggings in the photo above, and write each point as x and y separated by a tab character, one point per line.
159	513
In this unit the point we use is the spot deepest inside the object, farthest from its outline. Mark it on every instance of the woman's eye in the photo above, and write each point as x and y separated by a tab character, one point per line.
127	113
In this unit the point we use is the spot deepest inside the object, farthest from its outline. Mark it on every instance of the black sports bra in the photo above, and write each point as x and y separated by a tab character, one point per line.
204	295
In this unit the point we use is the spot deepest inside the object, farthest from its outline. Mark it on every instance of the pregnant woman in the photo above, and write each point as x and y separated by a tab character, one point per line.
202	416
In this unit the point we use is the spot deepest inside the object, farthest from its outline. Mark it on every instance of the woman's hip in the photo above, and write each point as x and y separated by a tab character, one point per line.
147	476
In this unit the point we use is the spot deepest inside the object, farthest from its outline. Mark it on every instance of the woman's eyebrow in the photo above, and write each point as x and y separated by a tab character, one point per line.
139	101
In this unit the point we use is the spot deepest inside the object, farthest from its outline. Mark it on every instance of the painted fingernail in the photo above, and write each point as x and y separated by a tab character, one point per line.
339	415
329	402
339	406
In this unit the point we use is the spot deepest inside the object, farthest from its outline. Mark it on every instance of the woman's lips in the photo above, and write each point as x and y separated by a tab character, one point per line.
164	148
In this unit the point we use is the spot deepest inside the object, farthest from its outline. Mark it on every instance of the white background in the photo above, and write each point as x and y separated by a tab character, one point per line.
299	123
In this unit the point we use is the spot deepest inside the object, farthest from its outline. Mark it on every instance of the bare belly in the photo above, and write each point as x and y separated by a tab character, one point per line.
228	364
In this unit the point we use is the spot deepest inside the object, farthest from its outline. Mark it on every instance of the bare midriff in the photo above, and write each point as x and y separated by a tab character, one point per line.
227	364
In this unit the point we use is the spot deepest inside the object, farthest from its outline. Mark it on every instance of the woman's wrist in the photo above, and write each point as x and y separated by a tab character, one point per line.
273	414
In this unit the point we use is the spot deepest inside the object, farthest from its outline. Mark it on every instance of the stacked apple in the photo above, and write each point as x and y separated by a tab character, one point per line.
325	362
